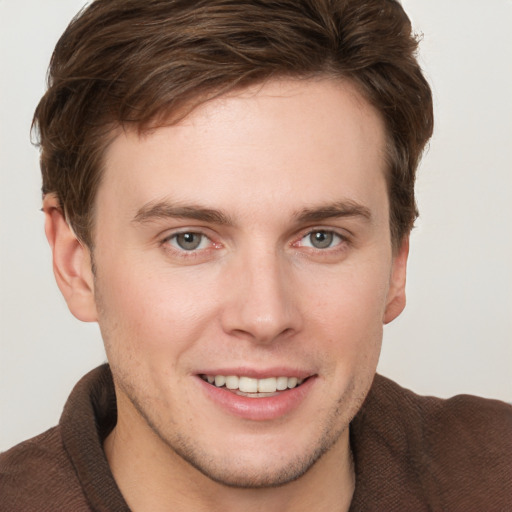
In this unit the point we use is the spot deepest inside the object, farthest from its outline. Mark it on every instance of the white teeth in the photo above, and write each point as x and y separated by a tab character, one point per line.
292	382
231	382
267	385
282	383
250	385
220	380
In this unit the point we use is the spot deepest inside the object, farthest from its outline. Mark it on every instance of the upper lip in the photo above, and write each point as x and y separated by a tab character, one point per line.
259	373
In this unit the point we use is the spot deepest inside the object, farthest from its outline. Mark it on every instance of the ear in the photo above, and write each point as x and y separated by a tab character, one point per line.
71	262
396	293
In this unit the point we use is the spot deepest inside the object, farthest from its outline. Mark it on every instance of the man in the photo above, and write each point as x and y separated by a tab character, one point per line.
229	190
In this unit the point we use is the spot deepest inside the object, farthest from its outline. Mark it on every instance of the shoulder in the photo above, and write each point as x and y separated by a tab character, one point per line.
468	447
37	474
455	452
463	422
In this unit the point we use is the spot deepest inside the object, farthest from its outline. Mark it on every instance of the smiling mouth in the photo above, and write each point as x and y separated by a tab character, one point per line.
251	387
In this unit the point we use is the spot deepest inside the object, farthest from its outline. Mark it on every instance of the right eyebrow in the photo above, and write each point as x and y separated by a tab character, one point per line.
164	209
338	209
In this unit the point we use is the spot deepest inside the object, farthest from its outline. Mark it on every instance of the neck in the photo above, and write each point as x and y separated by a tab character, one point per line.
152	477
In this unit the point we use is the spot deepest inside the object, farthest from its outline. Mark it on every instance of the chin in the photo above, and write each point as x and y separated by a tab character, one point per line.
244	472
238	466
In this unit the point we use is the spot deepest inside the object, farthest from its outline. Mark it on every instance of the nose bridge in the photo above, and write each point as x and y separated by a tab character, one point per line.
262	306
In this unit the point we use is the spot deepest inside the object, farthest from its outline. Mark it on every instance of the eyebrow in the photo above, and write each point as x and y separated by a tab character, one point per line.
334	210
164	210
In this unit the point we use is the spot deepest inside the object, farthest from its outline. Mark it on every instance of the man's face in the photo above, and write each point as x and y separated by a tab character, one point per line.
250	241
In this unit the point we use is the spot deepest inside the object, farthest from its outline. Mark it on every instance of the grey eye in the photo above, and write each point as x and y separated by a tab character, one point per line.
321	239
188	241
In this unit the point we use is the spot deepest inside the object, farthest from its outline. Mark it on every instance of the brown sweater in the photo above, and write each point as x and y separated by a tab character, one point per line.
411	454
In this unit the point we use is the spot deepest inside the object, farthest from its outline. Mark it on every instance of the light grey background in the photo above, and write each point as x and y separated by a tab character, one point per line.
455	335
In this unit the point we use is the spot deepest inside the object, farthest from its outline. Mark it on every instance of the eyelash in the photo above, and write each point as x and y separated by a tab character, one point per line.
184	253
342	239
333	251
340	245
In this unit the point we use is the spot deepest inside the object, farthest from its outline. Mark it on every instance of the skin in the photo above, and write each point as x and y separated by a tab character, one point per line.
276	164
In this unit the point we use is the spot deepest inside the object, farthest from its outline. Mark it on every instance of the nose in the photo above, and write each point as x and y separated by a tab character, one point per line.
262	303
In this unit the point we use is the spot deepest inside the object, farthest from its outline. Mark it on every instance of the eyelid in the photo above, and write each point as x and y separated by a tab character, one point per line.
341	234
165	240
173	240
343	243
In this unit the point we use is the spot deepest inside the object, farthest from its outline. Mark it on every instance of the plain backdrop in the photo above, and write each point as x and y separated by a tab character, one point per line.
455	334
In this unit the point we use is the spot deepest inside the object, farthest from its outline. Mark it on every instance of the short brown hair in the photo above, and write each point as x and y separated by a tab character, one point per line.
140	62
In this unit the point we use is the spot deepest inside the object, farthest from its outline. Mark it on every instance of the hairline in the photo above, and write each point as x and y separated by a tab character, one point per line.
171	117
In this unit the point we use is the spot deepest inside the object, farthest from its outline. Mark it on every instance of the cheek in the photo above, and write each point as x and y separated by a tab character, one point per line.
352	295
152	312
349	311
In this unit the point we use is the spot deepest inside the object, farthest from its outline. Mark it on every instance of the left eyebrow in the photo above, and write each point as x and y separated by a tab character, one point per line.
164	210
334	210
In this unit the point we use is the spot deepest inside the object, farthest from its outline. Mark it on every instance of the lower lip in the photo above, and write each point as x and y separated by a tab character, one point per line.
258	409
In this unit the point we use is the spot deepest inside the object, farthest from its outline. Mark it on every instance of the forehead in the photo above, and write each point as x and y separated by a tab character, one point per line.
283	140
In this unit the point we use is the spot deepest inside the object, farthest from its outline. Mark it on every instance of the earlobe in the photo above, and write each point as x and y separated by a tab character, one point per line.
71	262
396	294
